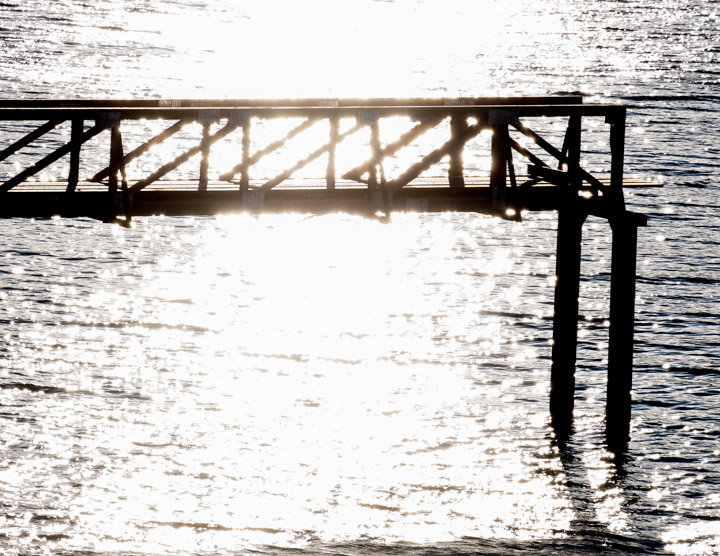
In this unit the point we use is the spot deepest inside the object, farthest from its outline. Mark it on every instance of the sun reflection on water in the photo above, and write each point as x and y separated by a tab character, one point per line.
295	380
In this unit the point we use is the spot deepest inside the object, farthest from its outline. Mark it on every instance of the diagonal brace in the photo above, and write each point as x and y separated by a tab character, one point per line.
142	149
526	153
434	157
187	155
304	162
554	151
52	157
229	175
29	138
391	148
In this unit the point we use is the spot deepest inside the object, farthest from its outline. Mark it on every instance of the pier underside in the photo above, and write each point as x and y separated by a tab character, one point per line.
181	198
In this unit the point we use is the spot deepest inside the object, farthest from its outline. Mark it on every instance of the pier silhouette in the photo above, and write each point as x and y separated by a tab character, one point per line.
554	180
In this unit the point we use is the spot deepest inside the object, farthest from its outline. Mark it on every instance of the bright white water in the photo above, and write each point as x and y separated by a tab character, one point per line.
338	385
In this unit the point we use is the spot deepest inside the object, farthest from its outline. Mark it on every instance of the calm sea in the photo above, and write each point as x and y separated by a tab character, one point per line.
300	384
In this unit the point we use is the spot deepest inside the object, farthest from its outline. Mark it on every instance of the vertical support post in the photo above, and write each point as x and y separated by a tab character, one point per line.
115	160
378	189
511	167
456	178
245	171
622	329
569	141
622	294
204	157
571	149
334	134
565	320
571	218
115	139
511	213
76	132
498	168
617	151
375	146
126	198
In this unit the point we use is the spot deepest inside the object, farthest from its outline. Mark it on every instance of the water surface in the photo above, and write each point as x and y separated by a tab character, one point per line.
340	385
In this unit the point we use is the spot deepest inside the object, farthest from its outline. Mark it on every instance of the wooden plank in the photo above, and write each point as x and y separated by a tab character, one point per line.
420	182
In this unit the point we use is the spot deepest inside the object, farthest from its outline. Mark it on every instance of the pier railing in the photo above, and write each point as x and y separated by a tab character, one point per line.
554	178
232	120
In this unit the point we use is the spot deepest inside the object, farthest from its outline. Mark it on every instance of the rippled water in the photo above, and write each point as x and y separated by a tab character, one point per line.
339	385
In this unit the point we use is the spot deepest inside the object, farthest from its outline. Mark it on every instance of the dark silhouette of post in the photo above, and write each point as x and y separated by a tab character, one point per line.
204	157
571	218
622	328
334	134
245	172
498	168
76	131
115	154
567	292
456	177
622	296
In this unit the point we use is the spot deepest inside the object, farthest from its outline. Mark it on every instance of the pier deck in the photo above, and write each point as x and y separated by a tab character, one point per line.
181	198
504	128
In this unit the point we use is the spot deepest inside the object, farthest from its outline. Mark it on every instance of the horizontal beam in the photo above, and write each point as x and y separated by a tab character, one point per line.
189	201
199	103
482	113
310	184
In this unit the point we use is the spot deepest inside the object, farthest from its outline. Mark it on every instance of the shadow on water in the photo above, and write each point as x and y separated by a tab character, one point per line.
587	533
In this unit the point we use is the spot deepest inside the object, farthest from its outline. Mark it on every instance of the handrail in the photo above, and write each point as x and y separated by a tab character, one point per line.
504	113
303	102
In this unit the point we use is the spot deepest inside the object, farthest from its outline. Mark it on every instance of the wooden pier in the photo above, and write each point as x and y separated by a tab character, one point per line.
554	179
